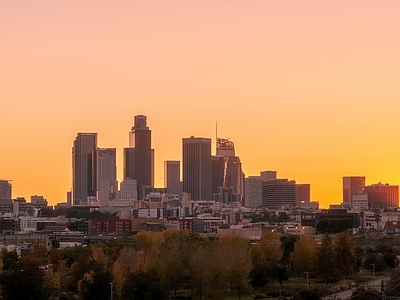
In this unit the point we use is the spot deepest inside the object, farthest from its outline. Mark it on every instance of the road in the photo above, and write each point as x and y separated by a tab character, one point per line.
376	284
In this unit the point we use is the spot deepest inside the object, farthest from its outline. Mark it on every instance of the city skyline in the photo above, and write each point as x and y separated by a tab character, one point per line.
308	88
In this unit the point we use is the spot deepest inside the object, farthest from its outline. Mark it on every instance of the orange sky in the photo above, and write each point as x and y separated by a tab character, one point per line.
308	88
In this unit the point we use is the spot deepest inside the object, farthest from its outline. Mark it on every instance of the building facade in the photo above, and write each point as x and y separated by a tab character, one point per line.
139	157
352	185
172	176
107	184
277	193
84	167
197	167
5	189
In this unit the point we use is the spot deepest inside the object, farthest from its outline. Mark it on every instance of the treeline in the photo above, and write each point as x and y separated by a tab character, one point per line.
173	264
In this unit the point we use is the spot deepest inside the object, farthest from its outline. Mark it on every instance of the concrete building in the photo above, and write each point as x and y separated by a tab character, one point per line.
172	176
352	185
107	184
382	195
38	201
197	167
139	157
277	193
5	189
268	175
83	167
232	172
252	189
302	192
217	172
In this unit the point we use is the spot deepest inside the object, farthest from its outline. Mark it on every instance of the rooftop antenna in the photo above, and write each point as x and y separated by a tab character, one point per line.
216	137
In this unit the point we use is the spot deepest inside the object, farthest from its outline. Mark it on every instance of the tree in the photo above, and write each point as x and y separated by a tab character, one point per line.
325	264
344	253
303	256
266	257
95	284
235	252
144	286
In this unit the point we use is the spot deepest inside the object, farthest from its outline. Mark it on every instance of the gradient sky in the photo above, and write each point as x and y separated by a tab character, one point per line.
308	88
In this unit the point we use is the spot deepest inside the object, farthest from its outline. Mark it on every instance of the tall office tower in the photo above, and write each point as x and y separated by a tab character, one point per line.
233	174
84	167
197	167
302	192
352	185
106	174
252	189
268	175
172	176
278	192
217	172
382	195
5	189
139	157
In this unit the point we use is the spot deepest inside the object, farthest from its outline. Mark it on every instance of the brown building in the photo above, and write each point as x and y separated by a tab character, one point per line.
109	226
197	167
5	189
352	185
382	195
138	158
302	192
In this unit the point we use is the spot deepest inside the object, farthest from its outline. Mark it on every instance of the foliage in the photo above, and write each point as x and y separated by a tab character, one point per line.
325	264
303	255
334	225
344	253
144	285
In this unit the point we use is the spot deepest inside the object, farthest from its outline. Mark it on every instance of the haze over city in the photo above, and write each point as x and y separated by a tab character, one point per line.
308	88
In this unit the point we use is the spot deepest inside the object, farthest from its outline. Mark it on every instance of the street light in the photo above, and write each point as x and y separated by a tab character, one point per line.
373	271
111	291
307	279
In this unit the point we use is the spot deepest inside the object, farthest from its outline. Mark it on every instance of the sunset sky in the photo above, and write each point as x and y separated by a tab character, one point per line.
308	88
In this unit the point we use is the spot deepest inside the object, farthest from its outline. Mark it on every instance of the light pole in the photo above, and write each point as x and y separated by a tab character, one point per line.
307	279
111	293
373	271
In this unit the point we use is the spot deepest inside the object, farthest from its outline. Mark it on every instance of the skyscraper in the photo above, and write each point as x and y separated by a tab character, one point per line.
84	167
352	185
233	176
139	157
5	189
197	167
106	174
172	176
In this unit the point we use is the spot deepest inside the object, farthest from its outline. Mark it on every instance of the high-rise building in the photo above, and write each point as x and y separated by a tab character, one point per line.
84	167
352	185
278	192
139	157
5	189
172	176
233	176
106	174
217	172
252	189
197	167
382	195
302	192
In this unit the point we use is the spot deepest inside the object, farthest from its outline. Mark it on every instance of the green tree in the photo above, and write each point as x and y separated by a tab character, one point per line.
325	263
344	253
303	256
144	286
